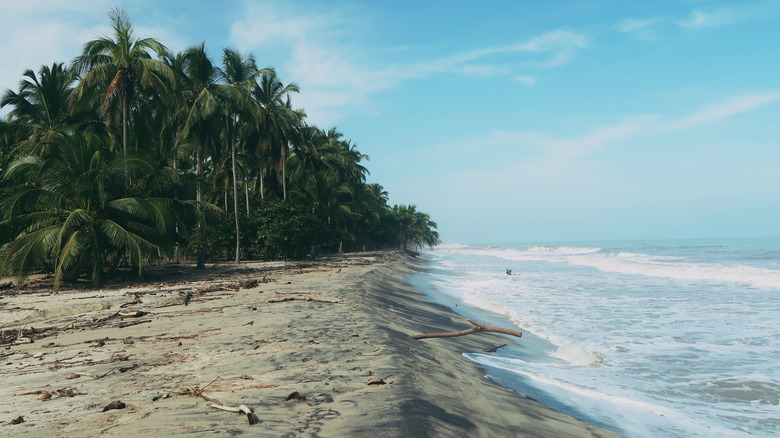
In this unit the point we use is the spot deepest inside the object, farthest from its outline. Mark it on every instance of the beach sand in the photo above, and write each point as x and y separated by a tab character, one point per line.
255	335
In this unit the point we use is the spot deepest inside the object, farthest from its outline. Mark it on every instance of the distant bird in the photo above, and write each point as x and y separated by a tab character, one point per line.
508	272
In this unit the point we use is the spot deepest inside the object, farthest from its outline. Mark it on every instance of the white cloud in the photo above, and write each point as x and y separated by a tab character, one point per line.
722	110
629	25
40	32
543	149
527	80
642	29
337	72
649	29
37	32
719	17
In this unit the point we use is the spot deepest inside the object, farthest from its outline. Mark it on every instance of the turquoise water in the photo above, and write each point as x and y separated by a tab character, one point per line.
647	338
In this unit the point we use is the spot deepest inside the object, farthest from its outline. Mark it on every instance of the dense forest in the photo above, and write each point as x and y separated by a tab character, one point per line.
131	155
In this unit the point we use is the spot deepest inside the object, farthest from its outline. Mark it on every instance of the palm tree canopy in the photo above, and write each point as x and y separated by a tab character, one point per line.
121	65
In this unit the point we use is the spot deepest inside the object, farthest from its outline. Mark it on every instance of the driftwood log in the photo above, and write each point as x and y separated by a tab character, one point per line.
479	327
243	409
284	300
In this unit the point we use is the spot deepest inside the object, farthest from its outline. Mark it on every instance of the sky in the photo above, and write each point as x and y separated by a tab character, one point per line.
505	121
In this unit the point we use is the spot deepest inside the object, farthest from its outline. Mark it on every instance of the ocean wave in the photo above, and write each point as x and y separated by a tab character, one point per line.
578	356
627	263
624	262
564	250
635	417
451	246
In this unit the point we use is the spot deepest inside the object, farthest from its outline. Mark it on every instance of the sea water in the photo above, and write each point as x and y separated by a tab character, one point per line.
646	338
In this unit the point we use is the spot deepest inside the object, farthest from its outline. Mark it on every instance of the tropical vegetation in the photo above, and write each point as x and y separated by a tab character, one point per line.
132	155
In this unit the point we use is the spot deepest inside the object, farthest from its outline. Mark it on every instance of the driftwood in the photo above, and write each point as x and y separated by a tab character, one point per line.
282	300
46	394
295	396
250	415
479	328
77	375
116	404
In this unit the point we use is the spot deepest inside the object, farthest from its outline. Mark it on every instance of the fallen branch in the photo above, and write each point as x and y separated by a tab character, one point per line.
250	415
77	375
32	391
479	328
129	324
282	300
198	392
46	394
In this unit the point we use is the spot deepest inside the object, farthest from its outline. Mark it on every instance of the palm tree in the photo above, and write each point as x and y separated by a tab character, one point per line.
40	107
342	158
239	72
202	97
278	122
70	213
414	227
369	205
119	69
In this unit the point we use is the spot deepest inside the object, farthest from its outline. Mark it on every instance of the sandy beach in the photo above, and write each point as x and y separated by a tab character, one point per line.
313	348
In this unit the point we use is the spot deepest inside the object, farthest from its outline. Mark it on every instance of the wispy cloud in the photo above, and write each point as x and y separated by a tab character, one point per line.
654	28
339	73
719	17
731	107
548	149
643	29
40	32
527	80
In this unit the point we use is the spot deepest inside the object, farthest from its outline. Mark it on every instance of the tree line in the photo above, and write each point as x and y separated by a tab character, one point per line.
132	155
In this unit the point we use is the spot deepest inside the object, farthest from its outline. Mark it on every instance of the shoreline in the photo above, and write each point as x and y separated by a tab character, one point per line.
257	345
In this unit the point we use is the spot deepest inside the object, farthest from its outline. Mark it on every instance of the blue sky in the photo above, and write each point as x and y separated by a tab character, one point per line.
506	121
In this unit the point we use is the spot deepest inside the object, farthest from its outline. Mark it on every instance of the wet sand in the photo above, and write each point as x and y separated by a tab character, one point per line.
331	335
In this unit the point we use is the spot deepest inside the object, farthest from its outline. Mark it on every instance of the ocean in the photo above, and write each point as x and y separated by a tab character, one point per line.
672	338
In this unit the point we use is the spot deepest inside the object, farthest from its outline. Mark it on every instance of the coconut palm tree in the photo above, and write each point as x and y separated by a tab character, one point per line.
115	71
71	213
201	119
239	72
342	157
278	122
414	227
40	107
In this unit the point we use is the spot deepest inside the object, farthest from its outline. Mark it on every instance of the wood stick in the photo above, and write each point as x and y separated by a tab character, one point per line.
480	327
241	409
33	391
282	300
225	408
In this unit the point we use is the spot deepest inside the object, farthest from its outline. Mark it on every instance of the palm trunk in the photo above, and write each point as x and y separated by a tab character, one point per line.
262	187
235	191
246	195
284	178
176	255
199	197
124	140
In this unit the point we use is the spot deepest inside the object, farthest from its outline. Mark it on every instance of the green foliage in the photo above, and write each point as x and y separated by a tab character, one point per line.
284	230
71	213
119	160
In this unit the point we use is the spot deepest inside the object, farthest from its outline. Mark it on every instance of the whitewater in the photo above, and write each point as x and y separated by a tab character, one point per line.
646	338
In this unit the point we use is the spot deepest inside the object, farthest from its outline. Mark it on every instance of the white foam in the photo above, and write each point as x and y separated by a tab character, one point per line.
640	264
680	346
578	356
566	250
636	417
626	263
